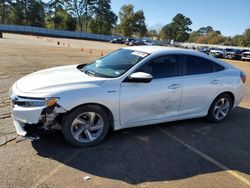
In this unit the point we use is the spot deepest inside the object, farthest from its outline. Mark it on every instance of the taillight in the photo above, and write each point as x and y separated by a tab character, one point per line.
243	77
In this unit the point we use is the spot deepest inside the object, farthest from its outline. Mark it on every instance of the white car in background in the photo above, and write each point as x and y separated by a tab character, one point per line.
129	87
217	52
245	56
147	42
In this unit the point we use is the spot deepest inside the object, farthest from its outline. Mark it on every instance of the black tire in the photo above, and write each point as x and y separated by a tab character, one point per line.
72	115
211	113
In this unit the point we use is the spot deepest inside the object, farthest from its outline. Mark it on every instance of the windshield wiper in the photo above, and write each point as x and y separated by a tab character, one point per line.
90	73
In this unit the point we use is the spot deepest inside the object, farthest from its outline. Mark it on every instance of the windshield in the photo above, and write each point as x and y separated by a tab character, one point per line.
114	64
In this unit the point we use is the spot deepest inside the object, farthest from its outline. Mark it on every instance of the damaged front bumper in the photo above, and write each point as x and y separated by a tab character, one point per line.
23	116
29	120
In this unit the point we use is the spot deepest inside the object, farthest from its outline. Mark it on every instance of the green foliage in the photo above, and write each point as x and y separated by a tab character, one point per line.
27	12
178	29
5	6
36	13
152	33
209	36
64	20
104	18
139	24
205	30
16	14
82	10
70	23
247	37
54	6
238	40
132	23
93	26
167	32
126	16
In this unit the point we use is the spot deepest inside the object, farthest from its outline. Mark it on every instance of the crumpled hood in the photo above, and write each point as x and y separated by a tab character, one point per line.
57	79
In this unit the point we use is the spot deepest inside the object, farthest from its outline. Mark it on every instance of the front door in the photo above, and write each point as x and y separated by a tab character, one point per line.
158	99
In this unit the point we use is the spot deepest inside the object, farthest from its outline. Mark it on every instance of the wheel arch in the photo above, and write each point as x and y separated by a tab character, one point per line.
228	93
105	108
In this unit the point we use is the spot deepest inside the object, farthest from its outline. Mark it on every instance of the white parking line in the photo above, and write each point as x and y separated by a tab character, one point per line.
205	156
45	178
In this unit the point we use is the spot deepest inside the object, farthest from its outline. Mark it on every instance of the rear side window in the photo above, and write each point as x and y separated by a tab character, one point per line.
217	67
162	67
196	65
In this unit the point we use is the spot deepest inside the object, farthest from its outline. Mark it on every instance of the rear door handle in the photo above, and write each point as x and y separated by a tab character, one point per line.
215	82
174	86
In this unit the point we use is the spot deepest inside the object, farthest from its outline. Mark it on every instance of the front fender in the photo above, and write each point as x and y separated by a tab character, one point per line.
98	95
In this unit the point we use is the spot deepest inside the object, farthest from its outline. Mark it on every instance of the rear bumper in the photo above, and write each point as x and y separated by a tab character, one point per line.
239	95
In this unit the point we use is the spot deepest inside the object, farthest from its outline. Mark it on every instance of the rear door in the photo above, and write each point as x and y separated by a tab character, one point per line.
201	84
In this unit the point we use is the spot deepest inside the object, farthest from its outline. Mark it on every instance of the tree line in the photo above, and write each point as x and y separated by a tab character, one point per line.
179	30
96	16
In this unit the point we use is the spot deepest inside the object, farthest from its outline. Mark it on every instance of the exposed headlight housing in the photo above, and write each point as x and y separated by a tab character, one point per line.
51	101
34	102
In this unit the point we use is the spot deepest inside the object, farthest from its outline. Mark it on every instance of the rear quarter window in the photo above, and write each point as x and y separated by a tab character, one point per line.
197	65
217	67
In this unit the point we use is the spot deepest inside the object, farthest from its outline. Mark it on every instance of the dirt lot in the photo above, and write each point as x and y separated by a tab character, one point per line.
190	153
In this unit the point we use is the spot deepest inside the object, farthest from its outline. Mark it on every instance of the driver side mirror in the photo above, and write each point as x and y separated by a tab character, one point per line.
140	77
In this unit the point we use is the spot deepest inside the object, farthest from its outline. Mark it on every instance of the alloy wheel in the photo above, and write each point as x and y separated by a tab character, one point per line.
87	127
221	108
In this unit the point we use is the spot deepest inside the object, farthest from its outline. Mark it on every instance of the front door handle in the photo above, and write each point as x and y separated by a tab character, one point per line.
174	86
215	82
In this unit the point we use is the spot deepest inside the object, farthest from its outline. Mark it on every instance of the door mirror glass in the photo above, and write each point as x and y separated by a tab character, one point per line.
140	77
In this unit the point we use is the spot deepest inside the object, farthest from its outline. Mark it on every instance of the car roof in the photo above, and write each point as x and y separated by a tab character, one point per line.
153	49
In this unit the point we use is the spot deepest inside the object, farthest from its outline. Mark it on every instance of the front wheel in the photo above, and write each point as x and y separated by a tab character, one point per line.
86	126
220	108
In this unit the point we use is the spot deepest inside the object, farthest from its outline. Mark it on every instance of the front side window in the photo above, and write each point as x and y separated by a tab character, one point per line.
161	67
197	65
114	64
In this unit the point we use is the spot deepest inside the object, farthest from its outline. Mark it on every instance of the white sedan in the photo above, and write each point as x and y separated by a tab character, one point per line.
129	87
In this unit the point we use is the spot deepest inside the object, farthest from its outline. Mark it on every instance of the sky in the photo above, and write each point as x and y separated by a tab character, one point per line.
231	17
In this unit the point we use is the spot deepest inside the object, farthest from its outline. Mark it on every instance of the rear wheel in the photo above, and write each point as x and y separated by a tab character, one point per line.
220	108
86	126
